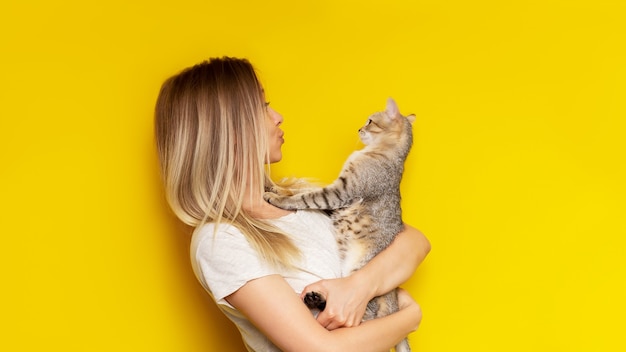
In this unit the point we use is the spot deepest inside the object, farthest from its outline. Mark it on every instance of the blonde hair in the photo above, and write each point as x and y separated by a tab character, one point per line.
212	145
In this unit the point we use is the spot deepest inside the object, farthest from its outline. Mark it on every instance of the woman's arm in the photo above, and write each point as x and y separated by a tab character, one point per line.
395	265
272	306
347	297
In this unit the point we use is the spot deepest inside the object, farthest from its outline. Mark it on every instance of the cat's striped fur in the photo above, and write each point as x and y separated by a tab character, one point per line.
364	199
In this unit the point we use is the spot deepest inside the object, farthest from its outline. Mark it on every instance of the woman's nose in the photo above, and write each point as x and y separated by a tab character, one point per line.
278	118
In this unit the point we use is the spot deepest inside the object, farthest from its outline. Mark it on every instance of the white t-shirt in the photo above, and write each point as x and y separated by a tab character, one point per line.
224	261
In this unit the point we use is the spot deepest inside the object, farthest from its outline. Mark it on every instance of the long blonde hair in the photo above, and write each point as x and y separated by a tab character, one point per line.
212	146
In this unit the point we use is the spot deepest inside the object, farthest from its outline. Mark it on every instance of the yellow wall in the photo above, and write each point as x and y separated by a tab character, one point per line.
517	174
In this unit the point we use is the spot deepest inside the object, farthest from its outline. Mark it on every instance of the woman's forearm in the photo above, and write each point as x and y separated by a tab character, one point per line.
394	265
271	305
377	334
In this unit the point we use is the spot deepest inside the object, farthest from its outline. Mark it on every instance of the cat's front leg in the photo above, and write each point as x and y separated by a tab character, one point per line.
331	197
287	202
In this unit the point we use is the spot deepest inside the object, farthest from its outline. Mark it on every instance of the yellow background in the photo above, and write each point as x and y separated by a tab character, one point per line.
516	176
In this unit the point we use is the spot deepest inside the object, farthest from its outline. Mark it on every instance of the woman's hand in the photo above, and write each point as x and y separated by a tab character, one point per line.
346	300
405	301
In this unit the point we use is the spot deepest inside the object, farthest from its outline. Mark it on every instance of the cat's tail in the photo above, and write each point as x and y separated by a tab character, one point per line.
403	346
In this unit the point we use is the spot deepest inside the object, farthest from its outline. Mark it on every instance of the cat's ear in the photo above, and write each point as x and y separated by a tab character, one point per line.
392	108
411	118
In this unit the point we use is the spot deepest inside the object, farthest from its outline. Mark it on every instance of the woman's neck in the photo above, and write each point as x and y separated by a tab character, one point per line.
258	208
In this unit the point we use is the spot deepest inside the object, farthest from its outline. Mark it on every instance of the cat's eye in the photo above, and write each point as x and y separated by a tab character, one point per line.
368	122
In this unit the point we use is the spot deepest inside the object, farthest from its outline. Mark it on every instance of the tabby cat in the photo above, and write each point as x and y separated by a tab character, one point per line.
364	201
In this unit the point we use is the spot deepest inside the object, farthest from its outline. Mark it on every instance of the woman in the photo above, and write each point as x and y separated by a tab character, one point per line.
215	135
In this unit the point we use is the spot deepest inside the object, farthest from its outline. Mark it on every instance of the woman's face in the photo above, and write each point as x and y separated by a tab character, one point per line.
275	135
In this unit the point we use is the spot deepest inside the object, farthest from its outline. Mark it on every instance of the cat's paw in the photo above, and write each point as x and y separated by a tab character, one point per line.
271	197
280	201
314	300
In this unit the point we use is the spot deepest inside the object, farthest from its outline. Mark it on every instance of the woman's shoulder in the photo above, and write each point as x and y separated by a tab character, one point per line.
216	232
301	220
305	215
212	228
314	217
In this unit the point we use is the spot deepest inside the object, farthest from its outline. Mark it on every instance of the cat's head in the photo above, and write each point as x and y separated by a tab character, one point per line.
385	126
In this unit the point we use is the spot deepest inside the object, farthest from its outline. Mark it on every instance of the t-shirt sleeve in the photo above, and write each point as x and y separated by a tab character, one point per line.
227	261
